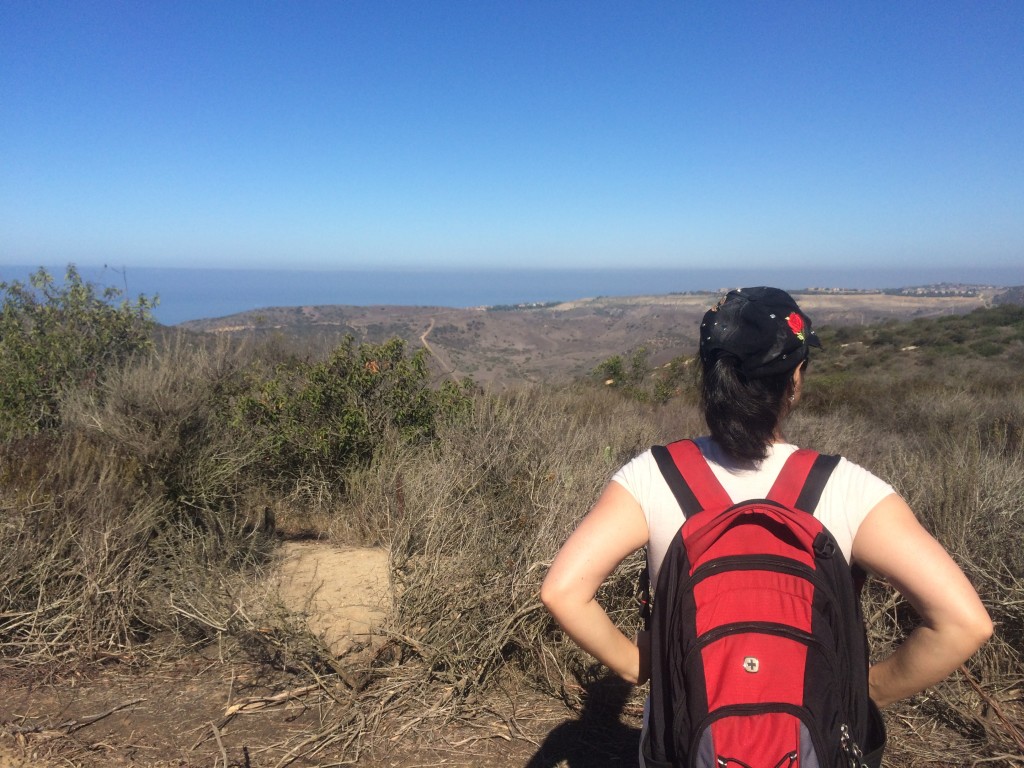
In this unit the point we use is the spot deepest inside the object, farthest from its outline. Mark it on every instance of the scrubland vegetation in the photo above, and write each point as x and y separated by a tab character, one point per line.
145	476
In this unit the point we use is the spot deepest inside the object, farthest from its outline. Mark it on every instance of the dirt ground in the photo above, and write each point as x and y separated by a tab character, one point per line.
170	713
214	706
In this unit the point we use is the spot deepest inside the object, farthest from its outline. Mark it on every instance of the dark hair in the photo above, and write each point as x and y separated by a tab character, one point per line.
743	413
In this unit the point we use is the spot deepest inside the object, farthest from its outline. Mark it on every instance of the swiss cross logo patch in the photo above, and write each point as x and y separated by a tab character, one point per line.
751	664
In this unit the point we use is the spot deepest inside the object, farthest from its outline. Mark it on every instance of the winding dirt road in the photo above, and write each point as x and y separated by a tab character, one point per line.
430	350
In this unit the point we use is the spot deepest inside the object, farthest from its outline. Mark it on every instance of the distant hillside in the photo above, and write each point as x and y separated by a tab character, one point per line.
1014	295
532	342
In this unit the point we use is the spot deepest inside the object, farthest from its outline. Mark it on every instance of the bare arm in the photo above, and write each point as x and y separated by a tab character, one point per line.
954	624
613	529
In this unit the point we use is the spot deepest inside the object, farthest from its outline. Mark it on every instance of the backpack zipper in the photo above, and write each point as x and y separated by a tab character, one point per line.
768	628
772	563
839	664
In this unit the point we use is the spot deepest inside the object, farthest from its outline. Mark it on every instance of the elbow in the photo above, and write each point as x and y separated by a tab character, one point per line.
546	594
558	597
975	628
983	629
963	630
978	625
551	595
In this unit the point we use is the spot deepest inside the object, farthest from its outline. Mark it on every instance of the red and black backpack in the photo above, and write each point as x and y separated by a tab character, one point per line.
758	650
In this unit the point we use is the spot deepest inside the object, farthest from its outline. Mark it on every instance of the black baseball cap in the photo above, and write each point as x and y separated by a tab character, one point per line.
763	327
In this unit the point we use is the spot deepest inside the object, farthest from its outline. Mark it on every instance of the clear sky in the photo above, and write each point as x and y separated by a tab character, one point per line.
432	133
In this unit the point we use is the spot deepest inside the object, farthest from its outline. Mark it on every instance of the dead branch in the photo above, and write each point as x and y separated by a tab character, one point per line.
220	744
1010	728
70	726
258	703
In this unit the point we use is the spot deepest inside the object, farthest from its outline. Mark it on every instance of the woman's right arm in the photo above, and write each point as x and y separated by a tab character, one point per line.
891	543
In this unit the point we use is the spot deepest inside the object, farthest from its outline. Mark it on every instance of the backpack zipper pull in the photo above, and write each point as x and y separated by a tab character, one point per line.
786	762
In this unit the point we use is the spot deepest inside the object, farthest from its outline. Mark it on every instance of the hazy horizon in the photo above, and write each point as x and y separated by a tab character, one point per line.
193	294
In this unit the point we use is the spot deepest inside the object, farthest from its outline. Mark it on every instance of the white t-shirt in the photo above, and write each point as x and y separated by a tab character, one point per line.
851	492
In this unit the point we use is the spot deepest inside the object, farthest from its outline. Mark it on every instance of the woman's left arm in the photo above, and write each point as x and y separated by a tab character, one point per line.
613	529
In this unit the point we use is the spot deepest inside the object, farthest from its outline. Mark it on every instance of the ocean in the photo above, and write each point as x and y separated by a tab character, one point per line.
191	294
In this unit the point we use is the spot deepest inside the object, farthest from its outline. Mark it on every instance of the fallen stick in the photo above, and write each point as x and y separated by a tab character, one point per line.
258	703
70	726
254	704
223	752
1010	728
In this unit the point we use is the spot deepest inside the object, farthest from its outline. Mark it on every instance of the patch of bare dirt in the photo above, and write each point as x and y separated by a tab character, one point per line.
344	592
11	759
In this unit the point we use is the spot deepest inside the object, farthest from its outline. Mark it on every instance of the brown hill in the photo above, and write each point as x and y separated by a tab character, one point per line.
507	345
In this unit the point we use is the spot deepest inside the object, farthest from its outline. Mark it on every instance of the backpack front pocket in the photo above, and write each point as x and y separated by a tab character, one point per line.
768	736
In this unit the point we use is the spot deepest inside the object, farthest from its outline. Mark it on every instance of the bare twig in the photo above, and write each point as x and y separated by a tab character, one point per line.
1010	728
257	703
220	744
70	726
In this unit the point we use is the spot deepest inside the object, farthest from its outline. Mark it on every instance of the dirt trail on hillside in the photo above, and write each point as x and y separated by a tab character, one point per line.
445	367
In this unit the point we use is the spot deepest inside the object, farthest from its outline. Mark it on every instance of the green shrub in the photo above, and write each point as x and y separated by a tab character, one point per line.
674	379
987	348
57	336
638	381
328	417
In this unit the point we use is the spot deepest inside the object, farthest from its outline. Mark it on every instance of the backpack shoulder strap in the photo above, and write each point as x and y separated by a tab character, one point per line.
689	477
694	486
802	479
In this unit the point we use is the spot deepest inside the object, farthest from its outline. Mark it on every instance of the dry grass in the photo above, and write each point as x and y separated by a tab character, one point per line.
473	522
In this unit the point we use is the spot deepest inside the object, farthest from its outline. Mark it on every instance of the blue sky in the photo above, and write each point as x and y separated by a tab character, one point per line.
536	134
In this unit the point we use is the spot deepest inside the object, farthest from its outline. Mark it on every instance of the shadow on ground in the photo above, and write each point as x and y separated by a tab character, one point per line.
598	737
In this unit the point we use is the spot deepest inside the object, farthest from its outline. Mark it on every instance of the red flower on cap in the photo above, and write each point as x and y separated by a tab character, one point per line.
796	325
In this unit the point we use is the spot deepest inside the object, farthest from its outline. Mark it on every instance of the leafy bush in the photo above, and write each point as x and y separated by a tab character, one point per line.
56	336
639	381
328	417
614	372
987	348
